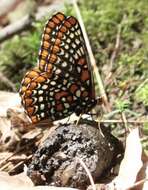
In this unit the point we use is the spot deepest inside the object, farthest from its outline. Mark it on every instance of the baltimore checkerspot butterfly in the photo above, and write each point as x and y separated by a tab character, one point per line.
62	83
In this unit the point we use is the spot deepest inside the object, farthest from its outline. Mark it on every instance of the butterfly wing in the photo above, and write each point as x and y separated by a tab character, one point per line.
62	84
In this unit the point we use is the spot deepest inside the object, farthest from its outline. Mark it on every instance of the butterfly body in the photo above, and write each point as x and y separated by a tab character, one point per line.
62	82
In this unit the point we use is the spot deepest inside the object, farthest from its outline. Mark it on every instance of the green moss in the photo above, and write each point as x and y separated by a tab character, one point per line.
20	54
122	105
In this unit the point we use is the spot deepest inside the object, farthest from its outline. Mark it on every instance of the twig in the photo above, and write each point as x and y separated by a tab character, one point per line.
92	59
16	27
3	162
121	121
19	164
123	117
5	166
138	183
142	84
124	120
88	173
26	22
116	50
6	81
117	45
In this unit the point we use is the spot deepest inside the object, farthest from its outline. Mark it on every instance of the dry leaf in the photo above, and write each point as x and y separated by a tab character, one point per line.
145	186
130	164
22	182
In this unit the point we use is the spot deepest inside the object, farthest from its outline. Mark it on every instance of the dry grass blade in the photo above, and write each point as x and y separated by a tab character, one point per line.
15	28
5	80
139	183
139	121
131	163
88	173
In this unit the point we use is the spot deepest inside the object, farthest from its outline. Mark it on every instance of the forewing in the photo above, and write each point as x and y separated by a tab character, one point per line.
68	53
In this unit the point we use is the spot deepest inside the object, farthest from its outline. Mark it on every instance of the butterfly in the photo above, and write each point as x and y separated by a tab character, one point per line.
62	82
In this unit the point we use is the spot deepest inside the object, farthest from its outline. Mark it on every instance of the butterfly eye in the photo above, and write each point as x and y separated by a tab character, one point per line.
62	83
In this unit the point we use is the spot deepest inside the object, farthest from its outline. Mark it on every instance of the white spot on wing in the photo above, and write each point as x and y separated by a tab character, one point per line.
78	93
66	105
42	114
52	110
64	64
66	46
58	71
79	52
44	87
77	41
71	51
82	51
72	29
53	83
40	98
40	92
68	40
51	93
42	106
66	55
76	56
79	69
74	45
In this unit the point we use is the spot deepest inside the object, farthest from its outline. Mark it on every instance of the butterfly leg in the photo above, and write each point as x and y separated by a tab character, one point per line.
79	118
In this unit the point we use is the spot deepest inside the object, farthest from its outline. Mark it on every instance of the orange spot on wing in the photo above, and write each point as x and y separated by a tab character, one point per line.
72	20
55	49
81	61
44	53
60	16
26	80
67	24
53	58
42	62
63	29
73	88
30	111
28	101
55	20
57	41
40	79
49	67
32	74
59	107
28	93
46	44
34	119
46	37
23	89
48	30
59	35
69	98
32	85
85	75
59	95
51	24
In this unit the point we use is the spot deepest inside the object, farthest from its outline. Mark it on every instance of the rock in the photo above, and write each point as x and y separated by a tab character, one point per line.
56	161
